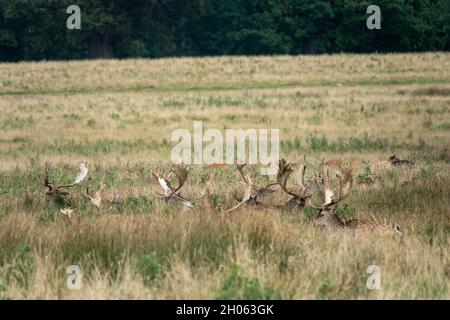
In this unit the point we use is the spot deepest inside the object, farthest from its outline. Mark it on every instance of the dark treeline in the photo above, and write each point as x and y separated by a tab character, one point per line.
36	29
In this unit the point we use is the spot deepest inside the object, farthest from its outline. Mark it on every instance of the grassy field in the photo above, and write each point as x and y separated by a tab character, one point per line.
119	115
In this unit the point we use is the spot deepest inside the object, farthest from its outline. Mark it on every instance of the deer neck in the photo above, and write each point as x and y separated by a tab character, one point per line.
296	203
333	223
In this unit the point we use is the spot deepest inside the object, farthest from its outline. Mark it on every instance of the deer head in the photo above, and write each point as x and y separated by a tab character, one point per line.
326	213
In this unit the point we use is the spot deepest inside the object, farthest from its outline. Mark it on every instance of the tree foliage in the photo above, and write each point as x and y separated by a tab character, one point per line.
36	29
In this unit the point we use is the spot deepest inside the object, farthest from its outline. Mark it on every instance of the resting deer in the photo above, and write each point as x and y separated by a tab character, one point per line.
397	162
54	190
251	192
326	213
302	192
173	194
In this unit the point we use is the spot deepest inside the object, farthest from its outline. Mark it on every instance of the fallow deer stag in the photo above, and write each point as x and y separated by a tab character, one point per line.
302	192
251	192
54	190
173	194
326	213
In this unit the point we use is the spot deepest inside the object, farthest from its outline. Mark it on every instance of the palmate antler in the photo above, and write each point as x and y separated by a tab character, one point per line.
247	191
251	191
302	192
173	194
345	185
95	199
55	190
68	213
256	191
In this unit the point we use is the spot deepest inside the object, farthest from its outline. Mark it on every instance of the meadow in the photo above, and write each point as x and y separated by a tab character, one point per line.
118	116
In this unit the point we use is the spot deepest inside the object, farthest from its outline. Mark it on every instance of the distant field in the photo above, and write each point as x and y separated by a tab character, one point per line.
119	116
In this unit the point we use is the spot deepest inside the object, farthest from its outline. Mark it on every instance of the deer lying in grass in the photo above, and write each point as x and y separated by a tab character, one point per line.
397	162
173	194
251	192
302	192
326	213
55	191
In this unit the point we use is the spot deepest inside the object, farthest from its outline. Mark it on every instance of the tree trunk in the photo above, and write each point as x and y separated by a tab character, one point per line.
100	48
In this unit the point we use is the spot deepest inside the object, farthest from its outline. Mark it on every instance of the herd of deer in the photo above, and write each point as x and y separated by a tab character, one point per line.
300	194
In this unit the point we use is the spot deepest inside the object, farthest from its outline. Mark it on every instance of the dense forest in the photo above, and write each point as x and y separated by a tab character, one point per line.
36	29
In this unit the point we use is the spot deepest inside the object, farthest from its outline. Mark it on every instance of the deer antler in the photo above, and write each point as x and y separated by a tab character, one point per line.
54	190
170	193
164	184
240	168
304	190
46	181
67	212
96	200
247	191
284	172
82	174
301	177
345	185
252	192
206	193
258	191
181	173
328	192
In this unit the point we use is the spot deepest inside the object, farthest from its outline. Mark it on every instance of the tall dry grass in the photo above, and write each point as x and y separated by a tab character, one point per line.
119	116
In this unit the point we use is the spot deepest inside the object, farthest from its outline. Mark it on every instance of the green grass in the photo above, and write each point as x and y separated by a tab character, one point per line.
237	86
236	286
